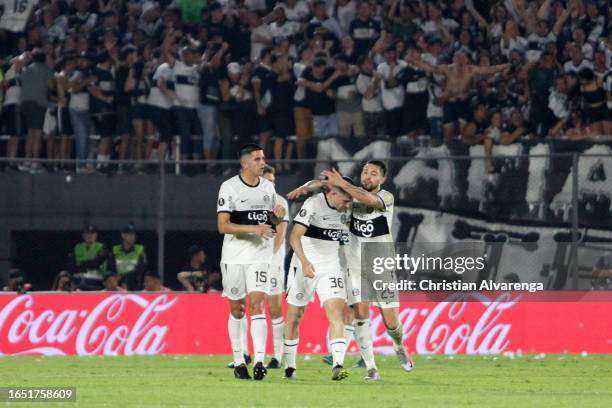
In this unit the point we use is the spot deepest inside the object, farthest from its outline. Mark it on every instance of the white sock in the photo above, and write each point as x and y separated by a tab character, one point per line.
363	336
244	330
349	334
259	335
291	347
338	348
233	328
397	335
278	329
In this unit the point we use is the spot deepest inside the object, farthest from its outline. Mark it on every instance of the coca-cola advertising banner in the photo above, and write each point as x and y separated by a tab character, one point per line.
180	323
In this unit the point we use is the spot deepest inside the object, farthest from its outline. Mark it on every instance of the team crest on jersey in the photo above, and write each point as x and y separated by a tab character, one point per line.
234	291
299	296
266	199
355	292
344	218
303	212
221	201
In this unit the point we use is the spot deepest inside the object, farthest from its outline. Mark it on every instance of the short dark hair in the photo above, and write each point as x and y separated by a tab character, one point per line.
194	249
380	164
319	62
265	52
269	169
248	149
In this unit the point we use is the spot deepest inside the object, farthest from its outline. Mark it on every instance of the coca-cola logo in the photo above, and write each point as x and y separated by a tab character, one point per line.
450	328
103	329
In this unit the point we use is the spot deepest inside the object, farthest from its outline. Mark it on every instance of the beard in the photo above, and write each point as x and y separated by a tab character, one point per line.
368	188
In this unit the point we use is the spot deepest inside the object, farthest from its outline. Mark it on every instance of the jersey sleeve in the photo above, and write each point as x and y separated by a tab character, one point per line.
281	201
386	198
305	214
224	201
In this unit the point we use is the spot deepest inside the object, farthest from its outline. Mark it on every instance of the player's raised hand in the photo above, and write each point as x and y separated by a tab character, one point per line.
298	192
308	270
264	230
333	177
279	211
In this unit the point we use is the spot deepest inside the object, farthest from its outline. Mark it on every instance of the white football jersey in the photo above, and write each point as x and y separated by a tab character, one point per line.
370	225
279	257
247	205
324	226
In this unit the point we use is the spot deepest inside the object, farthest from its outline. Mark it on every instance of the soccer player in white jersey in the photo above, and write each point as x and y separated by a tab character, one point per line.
371	221
246	214
277	278
315	268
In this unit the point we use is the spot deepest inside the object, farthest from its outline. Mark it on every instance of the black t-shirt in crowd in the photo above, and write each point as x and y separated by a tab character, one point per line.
210	91
365	34
319	102
282	95
122	98
105	82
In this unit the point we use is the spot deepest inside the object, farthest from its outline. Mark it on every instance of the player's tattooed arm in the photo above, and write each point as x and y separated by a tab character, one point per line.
310	187
225	226
334	179
296	244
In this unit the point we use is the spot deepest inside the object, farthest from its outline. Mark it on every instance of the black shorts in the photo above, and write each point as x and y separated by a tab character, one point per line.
598	114
283	124
415	112
141	111
64	125
105	123
12	120
33	114
124	121
455	110
164	122
264	123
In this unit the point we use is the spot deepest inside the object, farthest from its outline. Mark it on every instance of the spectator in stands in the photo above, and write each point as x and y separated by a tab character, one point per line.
474	130
129	259
196	275
391	91
211	73
36	79
102	91
152	283
368	86
281	108
64	126
540	79
12	117
123	100
348	101
161	99
63	282
111	283
78	106
89	259
186	97
317	80
595	101
16	282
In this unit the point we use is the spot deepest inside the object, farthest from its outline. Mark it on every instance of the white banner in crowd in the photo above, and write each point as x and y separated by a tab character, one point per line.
14	14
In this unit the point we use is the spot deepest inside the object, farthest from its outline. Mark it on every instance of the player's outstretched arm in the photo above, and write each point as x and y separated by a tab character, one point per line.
295	240
334	179
225	226
310	187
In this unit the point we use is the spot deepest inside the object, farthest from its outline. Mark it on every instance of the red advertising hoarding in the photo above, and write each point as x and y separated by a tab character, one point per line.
181	323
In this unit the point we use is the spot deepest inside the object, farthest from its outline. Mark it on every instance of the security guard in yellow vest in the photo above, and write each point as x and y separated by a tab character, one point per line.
129	260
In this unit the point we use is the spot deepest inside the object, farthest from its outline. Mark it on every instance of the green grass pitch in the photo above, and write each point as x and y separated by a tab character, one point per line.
202	381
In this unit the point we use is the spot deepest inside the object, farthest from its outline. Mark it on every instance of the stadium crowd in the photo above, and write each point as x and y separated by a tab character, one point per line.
199	77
